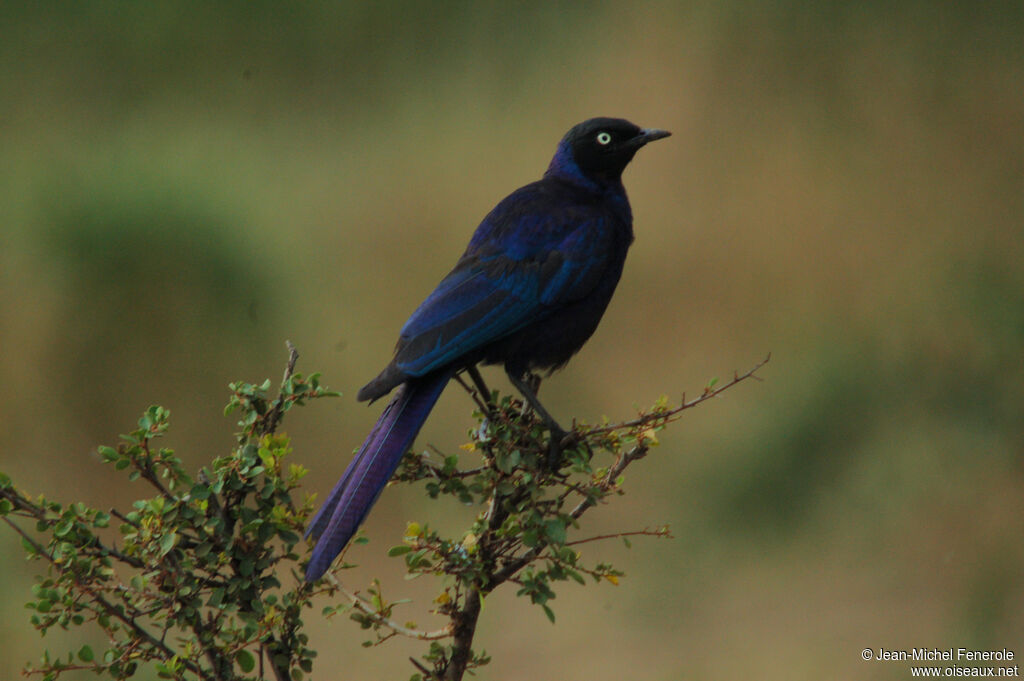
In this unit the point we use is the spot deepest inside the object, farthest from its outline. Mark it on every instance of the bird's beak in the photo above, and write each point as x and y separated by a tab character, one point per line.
647	135
651	134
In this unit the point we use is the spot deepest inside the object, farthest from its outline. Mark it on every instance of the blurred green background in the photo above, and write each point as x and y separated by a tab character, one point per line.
185	185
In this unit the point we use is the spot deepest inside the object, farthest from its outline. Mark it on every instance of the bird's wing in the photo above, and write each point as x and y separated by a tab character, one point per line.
501	285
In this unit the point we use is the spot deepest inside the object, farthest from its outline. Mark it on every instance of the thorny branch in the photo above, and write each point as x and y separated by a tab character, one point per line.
528	503
201	598
505	566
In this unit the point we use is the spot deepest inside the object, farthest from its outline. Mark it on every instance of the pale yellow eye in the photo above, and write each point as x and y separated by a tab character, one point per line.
603	138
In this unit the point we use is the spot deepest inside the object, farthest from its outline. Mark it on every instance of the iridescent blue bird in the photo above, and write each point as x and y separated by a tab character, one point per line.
527	294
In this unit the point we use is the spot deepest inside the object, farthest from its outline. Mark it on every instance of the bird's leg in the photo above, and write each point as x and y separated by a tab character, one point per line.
533	380
478	392
528	388
478	381
481	394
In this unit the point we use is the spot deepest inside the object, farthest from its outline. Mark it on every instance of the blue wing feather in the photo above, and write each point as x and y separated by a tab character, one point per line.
520	266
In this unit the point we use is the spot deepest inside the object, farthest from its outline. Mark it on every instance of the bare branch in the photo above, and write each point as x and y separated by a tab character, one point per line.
273	417
293	357
661	532
671	414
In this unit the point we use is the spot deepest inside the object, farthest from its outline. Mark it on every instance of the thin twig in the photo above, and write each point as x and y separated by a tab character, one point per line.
293	357
121	516
427	674
273	417
367	609
438	472
110	609
35	545
513	566
671	414
634	533
145	468
142	633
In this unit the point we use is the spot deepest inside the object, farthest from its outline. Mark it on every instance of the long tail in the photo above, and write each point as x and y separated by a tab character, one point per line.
369	472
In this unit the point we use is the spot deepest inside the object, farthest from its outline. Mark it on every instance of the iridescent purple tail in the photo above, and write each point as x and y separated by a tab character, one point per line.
369	472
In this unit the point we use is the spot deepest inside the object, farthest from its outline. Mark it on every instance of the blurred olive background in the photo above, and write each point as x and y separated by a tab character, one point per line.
185	185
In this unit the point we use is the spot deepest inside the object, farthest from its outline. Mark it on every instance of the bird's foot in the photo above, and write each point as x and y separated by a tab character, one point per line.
528	383
559	442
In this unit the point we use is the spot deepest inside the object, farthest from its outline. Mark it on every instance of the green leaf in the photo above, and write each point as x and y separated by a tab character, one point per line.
167	542
555	530
507	463
246	661
85	654
399	550
529	537
63	527
417	559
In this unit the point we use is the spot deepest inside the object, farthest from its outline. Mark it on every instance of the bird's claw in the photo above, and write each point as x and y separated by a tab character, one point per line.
559	441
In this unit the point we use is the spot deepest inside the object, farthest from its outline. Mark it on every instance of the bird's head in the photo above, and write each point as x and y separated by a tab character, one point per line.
599	149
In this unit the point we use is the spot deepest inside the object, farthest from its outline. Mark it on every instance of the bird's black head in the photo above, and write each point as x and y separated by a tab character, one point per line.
599	149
